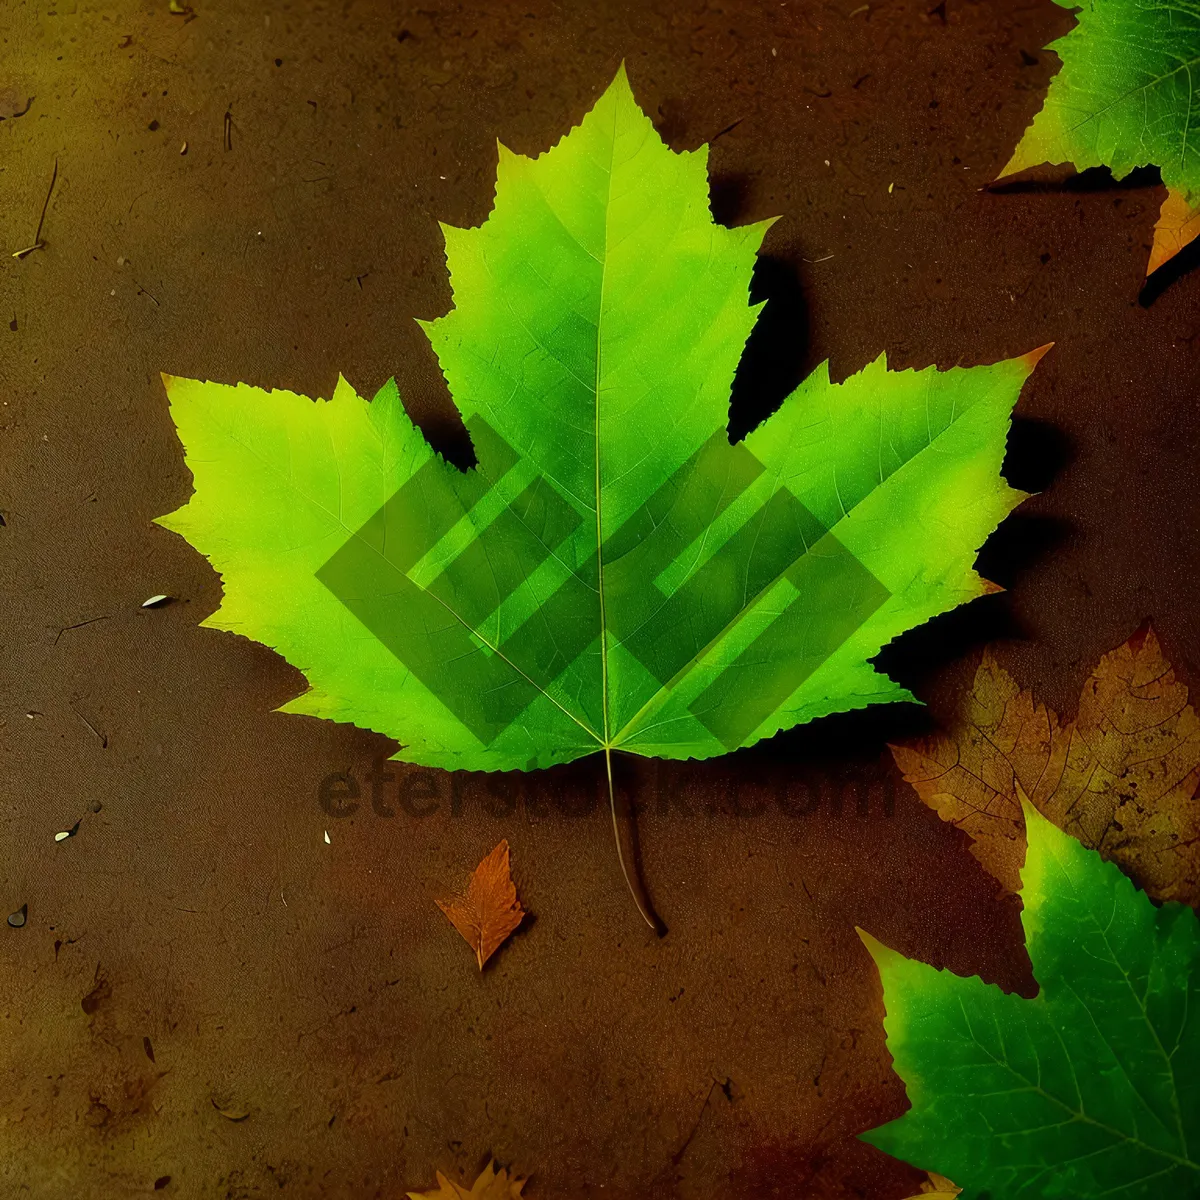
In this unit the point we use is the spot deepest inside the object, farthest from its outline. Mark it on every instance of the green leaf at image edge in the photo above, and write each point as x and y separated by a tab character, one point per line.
1092	1088
1124	97
613	573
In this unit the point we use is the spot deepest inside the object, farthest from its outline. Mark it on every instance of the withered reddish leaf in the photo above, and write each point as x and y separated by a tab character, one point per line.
1122	777
490	910
491	1184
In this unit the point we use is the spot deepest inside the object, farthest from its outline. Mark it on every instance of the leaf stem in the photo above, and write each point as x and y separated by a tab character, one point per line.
625	835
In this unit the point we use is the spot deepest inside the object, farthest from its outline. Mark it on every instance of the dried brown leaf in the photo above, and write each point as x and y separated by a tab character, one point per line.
937	1187
491	1184
490	910
1122	777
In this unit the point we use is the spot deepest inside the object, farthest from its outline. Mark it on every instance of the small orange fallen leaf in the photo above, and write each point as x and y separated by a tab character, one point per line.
490	910
491	1184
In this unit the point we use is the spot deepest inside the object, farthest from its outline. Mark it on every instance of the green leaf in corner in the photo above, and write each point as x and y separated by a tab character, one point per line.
1124	99
1090	1089
613	574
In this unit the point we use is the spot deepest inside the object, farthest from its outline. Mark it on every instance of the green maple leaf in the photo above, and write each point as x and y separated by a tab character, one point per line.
613	574
1090	1089
1125	98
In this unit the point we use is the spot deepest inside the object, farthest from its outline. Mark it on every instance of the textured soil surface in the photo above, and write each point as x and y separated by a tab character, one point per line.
198	945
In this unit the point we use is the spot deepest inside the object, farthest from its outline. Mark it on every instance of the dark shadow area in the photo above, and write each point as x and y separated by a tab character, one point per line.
425	394
1094	179
1173	270
838	740
1013	548
773	363
1036	453
920	653
728	198
1021	540
446	433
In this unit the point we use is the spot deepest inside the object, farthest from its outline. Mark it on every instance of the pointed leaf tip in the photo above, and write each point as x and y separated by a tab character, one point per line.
1031	360
620	88
1020	161
883	955
1028	810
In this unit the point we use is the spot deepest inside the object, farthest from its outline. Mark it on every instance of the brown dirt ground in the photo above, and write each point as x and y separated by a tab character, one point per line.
198	941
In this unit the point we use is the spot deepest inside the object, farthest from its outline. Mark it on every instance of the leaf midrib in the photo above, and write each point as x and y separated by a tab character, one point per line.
603	263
